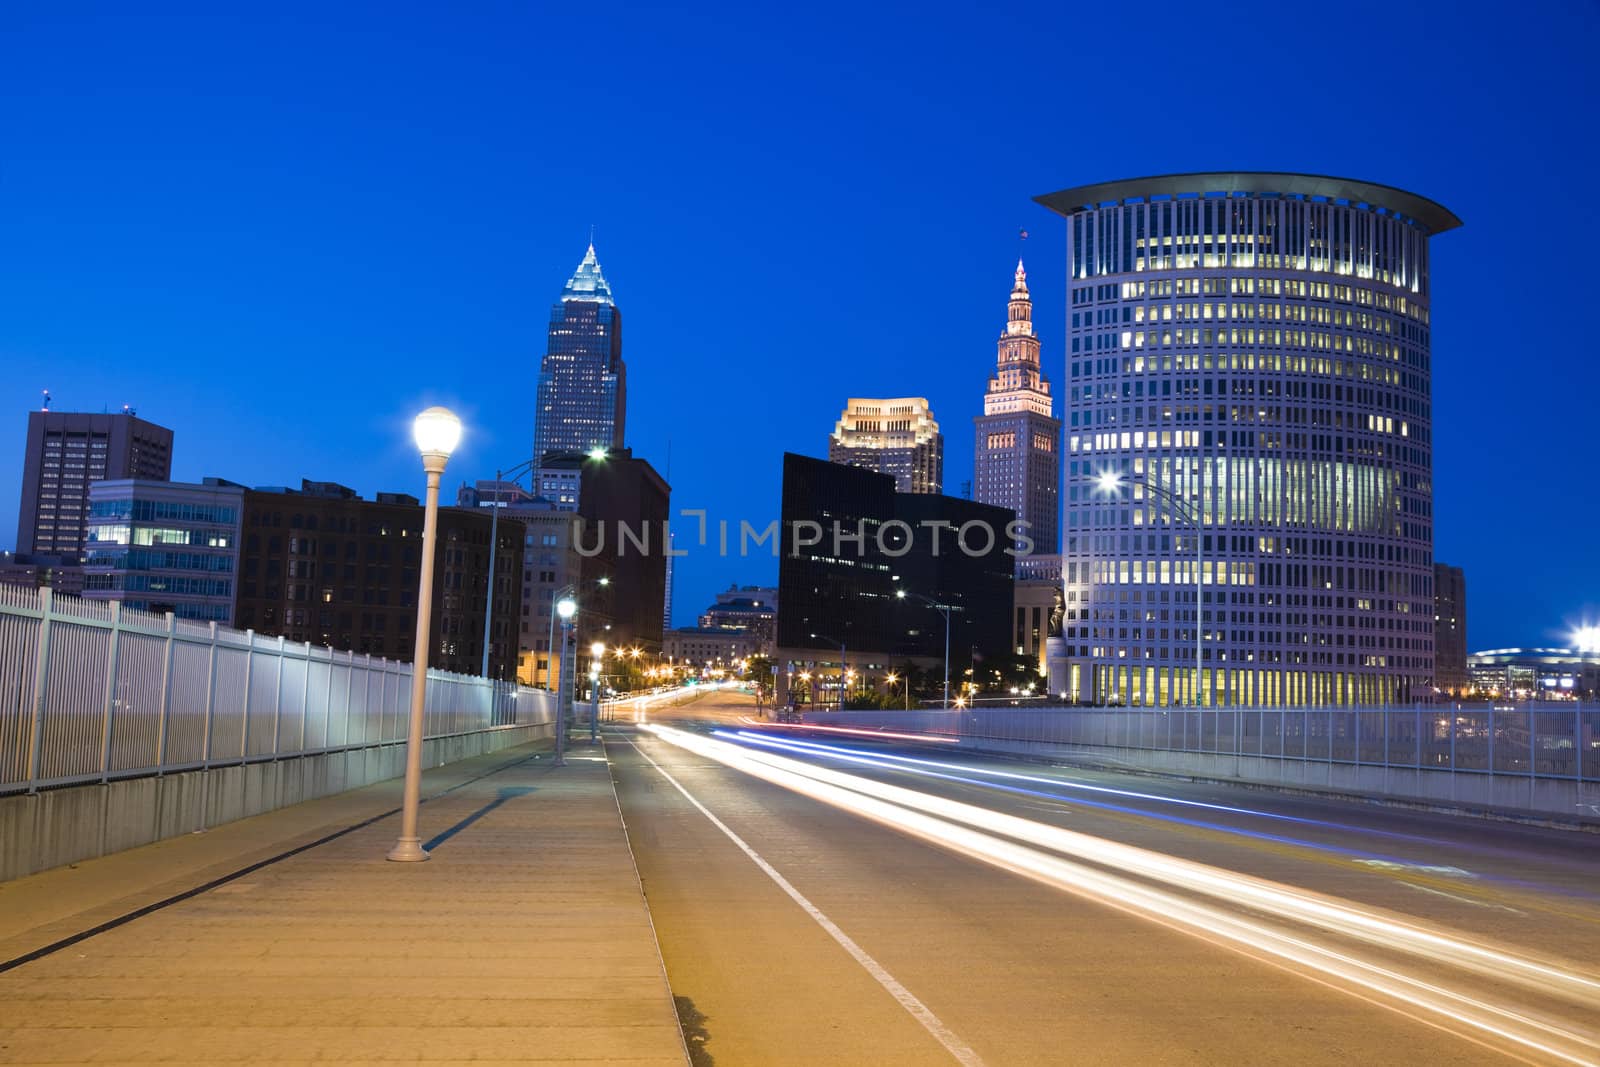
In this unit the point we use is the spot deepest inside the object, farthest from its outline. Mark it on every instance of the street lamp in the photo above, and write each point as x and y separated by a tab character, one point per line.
566	608
1110	482
1586	639
597	652
500	476
436	431
565	591
943	609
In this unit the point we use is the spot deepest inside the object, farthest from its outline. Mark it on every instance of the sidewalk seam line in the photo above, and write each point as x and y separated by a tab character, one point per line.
644	900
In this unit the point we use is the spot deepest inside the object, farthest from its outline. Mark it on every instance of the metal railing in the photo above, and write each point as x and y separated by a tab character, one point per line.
91	691
1540	740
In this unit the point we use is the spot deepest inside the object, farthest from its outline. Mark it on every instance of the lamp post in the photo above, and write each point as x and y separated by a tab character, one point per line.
566	608
436	431
1110	482
494	539
597	652
943	609
565	591
825	637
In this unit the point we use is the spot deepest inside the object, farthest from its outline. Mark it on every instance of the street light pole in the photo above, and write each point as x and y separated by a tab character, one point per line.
1111	482
494	540
566	607
437	431
943	609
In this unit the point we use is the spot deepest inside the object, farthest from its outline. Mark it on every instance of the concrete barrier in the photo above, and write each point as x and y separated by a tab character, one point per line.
60	826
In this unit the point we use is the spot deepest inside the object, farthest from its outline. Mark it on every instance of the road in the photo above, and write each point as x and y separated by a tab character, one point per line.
847	905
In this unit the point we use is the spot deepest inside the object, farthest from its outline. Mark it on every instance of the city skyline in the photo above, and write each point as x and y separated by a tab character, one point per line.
96	301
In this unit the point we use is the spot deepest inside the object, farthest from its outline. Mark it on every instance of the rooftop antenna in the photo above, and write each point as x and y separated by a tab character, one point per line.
591	235
46	401
127	409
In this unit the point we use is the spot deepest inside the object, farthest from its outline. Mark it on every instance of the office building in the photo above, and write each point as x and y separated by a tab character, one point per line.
1535	674
66	452
582	393
840	590
752	609
1017	453
622	537
165	546
320	564
1249	354
897	437
708	647
1450	674
41	572
549	565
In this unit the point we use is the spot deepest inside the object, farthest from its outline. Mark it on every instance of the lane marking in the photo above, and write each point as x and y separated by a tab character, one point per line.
919	1011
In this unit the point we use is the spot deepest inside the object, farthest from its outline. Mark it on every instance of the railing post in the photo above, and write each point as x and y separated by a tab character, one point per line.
327	705
166	693
305	698
249	678
41	681
1577	745
349	691
211	697
1357	715
107	724
1533	748
277	696
1491	739
1453	717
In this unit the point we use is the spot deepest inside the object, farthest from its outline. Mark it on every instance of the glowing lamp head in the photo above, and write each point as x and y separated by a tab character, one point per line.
891	678
597	453
597	649
566	607
900	594
437	431
1587	639
1108	482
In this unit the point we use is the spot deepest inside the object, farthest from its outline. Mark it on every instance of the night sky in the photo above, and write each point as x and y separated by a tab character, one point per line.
283	233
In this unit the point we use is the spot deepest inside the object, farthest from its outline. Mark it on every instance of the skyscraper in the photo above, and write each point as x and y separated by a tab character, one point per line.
1450	672
1016	458
66	453
897	437
1249	359
582	395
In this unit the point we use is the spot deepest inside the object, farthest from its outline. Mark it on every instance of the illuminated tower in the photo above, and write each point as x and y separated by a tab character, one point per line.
1016	461
1249	358
582	397
897	437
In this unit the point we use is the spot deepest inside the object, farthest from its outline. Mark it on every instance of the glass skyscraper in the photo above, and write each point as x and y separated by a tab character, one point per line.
582	382
1249	368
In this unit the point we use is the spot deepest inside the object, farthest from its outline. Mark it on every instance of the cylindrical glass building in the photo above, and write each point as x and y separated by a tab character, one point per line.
1249	438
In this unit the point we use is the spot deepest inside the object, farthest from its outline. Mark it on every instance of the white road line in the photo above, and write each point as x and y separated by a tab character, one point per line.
908	1000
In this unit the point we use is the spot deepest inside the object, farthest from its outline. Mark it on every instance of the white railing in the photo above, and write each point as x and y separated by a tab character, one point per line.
1552	739
90	691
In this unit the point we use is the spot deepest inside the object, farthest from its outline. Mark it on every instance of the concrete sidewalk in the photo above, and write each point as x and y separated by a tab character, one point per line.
524	939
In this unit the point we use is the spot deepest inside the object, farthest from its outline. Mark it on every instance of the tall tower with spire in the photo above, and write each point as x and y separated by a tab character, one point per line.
582	396
1017	456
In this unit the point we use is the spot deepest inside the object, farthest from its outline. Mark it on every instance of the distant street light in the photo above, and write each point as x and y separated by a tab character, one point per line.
943	609
436	431
1587	639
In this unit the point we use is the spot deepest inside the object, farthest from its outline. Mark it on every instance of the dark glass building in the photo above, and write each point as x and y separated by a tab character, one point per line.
1450	673
623	507
582	395
843	589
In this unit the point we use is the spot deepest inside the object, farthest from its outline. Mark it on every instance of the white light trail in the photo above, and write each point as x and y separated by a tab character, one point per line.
958	826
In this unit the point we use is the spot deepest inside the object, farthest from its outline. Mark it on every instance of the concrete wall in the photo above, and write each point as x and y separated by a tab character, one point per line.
59	826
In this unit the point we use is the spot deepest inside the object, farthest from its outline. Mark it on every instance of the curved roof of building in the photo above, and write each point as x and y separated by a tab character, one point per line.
1435	217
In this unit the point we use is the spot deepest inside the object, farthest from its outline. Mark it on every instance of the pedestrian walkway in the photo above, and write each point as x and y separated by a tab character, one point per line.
524	939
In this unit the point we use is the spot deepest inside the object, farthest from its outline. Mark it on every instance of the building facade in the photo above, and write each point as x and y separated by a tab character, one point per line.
1016	457
621	536
1535	674
1254	348
752	609
1450	673
67	452
897	437
841	589
713	646
165	546
320	564
582	395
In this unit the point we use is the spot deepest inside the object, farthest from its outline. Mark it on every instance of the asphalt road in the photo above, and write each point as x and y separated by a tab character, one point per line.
854	907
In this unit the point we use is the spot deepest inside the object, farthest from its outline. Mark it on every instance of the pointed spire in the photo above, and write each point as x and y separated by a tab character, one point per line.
587	283
1021	284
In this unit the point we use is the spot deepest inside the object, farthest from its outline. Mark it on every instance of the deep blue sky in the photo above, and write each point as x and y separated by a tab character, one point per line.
281	233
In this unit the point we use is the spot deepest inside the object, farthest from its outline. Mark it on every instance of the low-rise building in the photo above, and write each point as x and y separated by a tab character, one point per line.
1535	673
702	646
165	546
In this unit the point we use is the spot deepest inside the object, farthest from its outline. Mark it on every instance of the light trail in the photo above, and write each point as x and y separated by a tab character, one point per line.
888	734
904	764
960	827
